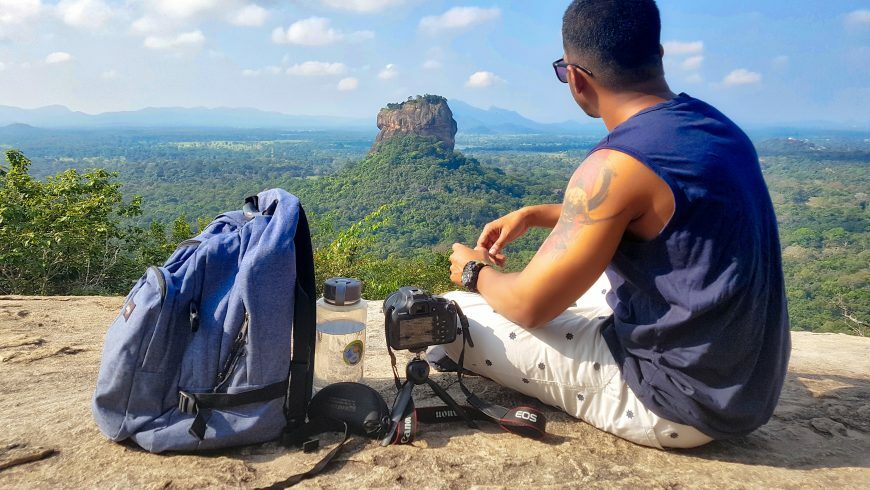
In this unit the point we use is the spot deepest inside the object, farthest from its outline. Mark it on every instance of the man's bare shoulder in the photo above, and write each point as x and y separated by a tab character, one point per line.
608	181
622	184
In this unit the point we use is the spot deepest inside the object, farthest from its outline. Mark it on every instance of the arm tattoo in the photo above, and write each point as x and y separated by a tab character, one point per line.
586	192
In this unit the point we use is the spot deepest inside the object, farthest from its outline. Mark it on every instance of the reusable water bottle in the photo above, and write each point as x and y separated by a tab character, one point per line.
341	333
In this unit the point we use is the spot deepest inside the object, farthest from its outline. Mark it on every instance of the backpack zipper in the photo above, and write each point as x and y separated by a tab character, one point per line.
189	243
236	353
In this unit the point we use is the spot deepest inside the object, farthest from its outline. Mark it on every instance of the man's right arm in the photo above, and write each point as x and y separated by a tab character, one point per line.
543	215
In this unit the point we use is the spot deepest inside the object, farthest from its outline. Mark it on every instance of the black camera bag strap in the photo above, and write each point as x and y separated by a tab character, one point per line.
523	420
303	437
349	409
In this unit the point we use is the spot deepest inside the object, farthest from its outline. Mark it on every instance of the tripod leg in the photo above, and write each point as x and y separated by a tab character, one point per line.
443	395
400	406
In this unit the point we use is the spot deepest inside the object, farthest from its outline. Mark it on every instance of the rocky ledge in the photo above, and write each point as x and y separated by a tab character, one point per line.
819	436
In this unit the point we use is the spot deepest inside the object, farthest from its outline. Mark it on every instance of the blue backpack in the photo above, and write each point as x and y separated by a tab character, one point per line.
215	348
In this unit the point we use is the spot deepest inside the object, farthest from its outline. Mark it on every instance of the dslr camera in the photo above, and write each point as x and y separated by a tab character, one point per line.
415	320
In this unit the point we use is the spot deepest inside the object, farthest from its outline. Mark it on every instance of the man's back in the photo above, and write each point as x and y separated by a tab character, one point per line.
700	324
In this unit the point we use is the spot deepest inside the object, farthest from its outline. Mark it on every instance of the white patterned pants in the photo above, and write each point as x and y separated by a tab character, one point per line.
566	364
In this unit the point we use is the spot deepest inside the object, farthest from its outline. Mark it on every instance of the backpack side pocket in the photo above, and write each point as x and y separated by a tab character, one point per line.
123	351
157	348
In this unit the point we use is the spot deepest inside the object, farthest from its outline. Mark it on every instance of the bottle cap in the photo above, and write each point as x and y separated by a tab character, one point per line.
342	291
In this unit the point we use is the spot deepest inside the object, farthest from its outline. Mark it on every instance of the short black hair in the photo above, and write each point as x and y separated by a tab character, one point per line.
619	39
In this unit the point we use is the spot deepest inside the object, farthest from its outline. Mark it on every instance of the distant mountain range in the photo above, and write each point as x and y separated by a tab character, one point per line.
473	120
470	119
57	116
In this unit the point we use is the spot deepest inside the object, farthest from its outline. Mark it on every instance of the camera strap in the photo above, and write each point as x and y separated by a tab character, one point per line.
522	420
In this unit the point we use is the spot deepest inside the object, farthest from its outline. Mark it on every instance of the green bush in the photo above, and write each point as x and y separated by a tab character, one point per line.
70	234
63	234
353	254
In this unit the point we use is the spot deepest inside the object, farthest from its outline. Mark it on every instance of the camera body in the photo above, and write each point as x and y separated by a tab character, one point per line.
415	320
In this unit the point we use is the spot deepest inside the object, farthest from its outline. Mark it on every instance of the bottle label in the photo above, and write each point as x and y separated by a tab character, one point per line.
353	353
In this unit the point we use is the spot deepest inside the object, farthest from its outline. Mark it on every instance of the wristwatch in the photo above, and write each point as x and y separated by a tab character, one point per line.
470	273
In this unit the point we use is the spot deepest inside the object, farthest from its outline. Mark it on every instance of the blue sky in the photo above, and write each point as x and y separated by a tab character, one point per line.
764	61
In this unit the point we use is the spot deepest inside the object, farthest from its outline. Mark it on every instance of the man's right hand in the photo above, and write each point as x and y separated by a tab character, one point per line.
498	233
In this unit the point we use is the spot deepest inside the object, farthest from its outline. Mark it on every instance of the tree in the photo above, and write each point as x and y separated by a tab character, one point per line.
63	234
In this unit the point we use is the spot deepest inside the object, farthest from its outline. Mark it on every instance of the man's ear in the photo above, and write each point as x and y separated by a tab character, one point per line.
661	51
576	78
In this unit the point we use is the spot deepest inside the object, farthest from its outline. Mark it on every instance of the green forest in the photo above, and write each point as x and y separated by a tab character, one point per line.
85	212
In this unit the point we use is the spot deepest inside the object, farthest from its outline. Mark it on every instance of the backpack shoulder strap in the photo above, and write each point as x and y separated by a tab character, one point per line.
302	363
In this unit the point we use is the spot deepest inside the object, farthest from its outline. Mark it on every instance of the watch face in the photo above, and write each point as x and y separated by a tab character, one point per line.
468	275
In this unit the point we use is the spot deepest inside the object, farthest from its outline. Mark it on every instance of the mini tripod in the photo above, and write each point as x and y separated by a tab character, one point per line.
417	373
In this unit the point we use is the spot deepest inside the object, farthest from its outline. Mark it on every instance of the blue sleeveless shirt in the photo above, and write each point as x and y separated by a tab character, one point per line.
700	328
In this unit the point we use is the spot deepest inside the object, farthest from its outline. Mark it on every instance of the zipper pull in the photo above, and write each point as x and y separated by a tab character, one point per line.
194	317
242	337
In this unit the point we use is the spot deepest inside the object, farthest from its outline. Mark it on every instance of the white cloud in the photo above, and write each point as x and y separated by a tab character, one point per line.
109	75
687	56
17	11
741	76
781	61
348	84
692	63
316	31
364	6
184	9
58	57
389	72
858	18
483	79
269	70
431	64
85	14
316	69
679	48
249	16
145	25
458	18
184	40
2	66
16	17
167	16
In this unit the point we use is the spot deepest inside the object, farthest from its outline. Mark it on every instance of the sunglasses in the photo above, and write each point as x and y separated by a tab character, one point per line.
561	68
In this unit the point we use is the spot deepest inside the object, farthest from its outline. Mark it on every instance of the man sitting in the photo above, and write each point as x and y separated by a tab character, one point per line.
687	338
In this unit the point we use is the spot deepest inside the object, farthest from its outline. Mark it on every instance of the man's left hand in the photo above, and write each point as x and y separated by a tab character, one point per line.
462	255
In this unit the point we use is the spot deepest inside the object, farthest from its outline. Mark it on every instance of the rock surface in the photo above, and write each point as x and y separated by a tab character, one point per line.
50	349
426	116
